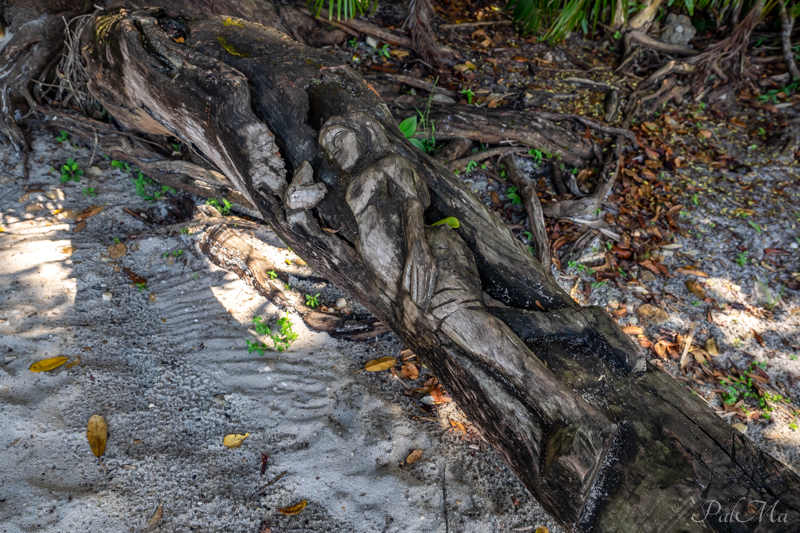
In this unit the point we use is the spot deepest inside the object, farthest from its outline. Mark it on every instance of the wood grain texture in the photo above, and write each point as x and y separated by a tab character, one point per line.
602	441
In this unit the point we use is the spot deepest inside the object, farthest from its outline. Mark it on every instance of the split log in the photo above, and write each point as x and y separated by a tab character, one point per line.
604	441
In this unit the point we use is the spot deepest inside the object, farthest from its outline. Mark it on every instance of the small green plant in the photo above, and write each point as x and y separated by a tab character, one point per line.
89	191
741	258
120	165
70	171
272	274
696	302
281	340
223	206
384	51
695	199
608	245
598	284
472	165
755	226
761	131
116	240
537	155
287	286
312	300
737	342
469	94
176	147
62	136
174	253
793	357
353	42
512	195
742	388
528	236
793	425
141	286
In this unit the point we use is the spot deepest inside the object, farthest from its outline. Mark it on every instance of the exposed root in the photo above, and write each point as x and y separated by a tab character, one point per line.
533	207
787	23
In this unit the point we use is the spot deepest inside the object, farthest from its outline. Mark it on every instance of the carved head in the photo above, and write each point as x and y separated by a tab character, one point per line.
352	139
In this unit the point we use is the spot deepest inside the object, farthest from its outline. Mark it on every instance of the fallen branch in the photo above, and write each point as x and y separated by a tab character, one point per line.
533	208
420	84
558	117
461	164
361	26
475	24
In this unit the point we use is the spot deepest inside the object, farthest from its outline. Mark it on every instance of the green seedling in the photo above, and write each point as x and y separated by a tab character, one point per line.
176	147
312	300
598	284
472	165
469	94
62	136
116	240
741	258
695	199
272	274
353	42
528	236
742	388
512	195
281	340
755	226
223	206
450	221
184	231
70	171
120	165
174	253
141	286
89	191
384	51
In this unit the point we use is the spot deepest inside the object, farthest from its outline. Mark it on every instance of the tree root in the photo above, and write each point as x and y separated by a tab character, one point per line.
533	207
226	248
590	204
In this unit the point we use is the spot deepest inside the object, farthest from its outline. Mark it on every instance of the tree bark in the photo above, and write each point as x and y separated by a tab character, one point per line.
604	441
787	23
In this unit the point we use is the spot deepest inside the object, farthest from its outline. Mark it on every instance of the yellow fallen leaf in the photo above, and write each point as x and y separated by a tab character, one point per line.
97	434
2	229
691	272
542	529
294	509
711	347
741	427
75	361
376	365
156	518
46	365
234	441
90	211
414	456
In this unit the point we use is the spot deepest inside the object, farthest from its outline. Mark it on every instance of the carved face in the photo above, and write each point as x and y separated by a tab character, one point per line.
350	139
342	145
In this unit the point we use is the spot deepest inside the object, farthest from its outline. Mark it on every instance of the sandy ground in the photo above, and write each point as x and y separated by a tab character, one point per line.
171	375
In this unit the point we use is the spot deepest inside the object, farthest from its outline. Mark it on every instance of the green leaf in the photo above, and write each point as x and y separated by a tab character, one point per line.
450	221
417	143
408	127
689	6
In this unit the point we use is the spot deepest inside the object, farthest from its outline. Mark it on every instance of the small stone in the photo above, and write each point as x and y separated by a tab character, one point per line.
442	99
341	303
10	358
32	208
651	314
55	194
152	297
95	171
107	296
371	41
647	276
300	262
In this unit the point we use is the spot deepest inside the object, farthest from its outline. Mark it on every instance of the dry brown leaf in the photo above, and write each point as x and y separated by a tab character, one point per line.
68	250
758	338
80	226
115	251
234	441
633	330
459	426
691	271
377	365
97	434
711	347
294	509
414	456
89	212
706	133
409	371
45	365
696	289
399	54
157	515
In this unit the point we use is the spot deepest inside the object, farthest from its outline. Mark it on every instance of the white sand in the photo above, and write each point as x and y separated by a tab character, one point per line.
175	374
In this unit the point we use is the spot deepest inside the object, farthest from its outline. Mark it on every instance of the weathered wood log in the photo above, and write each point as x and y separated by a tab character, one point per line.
533	207
603	441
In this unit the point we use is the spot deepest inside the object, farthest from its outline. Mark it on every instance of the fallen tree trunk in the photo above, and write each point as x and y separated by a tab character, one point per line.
604	441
